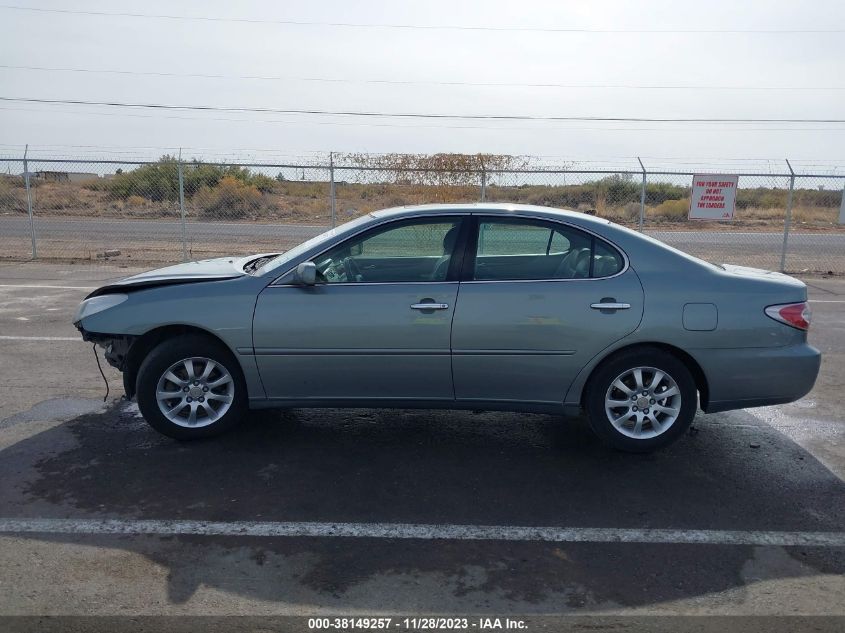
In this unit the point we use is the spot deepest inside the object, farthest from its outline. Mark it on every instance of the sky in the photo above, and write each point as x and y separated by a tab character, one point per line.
263	61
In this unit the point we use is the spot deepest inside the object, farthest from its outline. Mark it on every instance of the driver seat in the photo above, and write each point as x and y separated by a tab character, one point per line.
441	268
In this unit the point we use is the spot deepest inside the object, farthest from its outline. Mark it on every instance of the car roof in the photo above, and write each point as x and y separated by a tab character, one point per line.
492	208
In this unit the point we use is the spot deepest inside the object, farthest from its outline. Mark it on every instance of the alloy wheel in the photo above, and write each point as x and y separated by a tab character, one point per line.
643	402
195	392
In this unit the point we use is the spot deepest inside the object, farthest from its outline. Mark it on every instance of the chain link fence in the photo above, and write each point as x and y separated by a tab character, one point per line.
173	210
753	238
817	202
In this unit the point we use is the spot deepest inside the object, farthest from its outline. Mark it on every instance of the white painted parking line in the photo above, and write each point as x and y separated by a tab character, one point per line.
420	532
49	287
40	338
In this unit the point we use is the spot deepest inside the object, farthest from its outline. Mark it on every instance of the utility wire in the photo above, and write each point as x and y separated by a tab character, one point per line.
410	82
438	126
422	27
420	115
603	159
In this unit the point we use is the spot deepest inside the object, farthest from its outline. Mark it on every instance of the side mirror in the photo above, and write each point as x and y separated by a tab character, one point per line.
306	274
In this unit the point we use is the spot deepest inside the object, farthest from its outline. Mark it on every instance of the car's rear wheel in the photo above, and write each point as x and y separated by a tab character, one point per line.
191	387
641	400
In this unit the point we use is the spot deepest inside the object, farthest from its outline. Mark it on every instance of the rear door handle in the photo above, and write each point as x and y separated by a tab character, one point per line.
429	306
610	306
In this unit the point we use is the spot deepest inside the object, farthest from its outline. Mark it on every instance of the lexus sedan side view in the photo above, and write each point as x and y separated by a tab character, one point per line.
482	306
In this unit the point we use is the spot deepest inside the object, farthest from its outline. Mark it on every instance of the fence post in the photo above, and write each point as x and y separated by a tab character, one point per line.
29	201
642	195
332	192
788	219
842	205
182	208
483	181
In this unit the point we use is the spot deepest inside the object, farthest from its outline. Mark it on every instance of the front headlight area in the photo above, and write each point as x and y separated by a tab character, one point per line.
97	304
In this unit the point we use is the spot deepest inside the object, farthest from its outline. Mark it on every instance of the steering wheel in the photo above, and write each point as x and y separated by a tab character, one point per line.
334	272
353	272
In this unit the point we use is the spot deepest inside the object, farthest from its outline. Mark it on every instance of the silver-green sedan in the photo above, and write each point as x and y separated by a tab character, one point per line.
500	307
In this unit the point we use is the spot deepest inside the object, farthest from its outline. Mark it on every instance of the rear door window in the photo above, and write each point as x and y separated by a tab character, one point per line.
515	249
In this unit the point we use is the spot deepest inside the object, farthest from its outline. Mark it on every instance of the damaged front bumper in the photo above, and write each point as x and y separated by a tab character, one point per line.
115	346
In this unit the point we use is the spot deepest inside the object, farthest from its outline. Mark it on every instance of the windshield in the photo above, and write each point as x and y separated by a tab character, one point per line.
296	251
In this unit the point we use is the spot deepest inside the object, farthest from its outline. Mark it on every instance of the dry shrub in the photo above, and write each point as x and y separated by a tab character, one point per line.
58	196
629	212
816	215
601	205
303	189
11	197
364	198
761	215
231	198
671	210
136	201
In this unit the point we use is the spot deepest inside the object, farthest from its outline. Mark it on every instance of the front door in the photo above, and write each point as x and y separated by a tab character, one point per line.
525	323
376	325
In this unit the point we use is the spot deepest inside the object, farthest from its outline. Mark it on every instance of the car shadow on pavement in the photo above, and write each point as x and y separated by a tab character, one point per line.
434	467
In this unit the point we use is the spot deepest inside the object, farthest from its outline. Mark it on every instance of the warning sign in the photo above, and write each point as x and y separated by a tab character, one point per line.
713	197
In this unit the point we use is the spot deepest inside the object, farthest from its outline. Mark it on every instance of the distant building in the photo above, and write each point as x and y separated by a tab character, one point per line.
65	176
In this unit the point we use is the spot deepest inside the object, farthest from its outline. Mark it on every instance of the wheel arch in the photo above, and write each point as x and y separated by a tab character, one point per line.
695	369
146	342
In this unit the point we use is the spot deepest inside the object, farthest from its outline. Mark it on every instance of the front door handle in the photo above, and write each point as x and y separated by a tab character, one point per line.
610	306
429	306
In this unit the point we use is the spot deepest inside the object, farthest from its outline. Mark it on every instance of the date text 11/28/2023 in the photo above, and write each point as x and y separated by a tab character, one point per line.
429	623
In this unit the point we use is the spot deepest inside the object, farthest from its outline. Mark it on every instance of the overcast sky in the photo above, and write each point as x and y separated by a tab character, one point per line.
784	75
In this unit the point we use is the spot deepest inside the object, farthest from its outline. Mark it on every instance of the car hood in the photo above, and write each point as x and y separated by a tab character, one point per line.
204	269
189	272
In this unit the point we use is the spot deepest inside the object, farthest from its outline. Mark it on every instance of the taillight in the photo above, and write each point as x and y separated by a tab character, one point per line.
798	315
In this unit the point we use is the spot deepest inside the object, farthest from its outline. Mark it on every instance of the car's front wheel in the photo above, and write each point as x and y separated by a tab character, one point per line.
191	387
641	400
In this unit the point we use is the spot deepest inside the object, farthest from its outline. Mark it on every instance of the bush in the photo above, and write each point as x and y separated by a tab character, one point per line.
198	175
58	200
618	188
672	210
630	212
160	181
230	199
263	183
11	198
657	192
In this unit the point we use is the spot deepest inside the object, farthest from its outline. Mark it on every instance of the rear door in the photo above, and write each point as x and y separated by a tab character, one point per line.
376	325
535	306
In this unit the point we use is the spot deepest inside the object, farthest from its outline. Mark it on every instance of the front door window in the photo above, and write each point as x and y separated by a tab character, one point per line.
401	252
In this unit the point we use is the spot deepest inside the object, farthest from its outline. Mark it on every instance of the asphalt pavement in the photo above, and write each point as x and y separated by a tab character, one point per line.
140	239
368	512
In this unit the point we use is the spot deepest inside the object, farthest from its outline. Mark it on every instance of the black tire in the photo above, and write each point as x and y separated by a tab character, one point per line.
616	366
164	356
